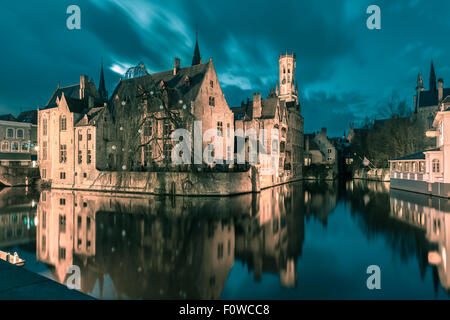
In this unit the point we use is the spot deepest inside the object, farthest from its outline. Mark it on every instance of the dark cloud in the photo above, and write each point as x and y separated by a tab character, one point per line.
334	112
343	69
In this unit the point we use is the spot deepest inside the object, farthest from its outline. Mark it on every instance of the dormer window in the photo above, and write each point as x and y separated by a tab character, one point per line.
211	84
212	101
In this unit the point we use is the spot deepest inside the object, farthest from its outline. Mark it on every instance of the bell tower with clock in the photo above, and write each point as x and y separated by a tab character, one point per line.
287	86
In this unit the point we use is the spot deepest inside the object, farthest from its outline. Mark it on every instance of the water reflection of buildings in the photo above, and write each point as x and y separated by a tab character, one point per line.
320	200
160	247
432	215
17	217
272	240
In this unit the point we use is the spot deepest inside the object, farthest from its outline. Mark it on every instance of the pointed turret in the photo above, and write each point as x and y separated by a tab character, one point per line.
101	86
432	78
197	59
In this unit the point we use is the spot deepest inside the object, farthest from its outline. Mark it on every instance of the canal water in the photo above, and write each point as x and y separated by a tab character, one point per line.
296	241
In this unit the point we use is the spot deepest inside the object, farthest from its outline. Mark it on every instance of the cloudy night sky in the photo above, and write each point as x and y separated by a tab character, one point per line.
345	71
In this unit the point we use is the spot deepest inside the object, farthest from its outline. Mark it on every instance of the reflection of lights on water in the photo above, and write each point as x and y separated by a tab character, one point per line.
444	258
36	221
434	258
366	199
307	196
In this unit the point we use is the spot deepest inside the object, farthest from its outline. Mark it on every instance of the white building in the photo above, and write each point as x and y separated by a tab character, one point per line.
427	171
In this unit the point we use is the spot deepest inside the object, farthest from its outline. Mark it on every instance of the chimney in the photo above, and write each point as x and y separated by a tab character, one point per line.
256	105
324	131
83	84
440	89
176	66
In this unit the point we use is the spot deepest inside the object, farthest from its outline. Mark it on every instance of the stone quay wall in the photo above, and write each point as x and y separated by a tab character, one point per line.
178	183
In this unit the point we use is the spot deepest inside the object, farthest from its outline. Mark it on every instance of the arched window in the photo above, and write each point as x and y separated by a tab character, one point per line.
10	133
19	133
435	165
5	146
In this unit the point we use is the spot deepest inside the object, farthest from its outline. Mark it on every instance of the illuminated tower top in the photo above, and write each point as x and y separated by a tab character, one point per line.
288	90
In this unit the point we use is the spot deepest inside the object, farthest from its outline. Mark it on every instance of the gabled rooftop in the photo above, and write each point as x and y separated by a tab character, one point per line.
183	86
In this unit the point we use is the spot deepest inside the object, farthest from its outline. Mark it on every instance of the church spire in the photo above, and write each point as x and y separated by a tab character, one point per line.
197	59
432	78
101	86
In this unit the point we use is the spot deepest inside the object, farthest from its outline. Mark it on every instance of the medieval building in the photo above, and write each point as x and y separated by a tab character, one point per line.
19	139
67	132
280	111
175	120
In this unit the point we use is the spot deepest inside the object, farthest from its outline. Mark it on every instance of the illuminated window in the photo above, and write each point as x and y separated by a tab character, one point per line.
5	146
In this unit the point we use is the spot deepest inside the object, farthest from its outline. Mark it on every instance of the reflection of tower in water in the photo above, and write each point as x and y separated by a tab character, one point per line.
272	240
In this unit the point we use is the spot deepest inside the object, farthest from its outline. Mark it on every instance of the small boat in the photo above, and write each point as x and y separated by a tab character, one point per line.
12	258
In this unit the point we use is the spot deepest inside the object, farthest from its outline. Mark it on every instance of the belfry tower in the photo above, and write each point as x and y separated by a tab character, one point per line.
287	85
